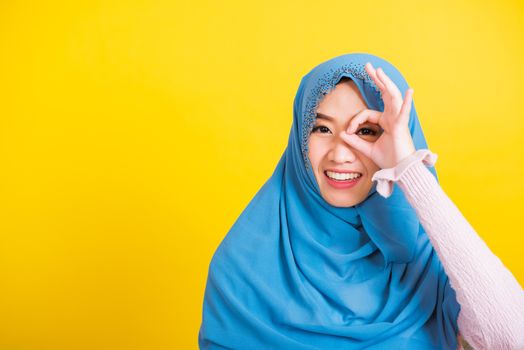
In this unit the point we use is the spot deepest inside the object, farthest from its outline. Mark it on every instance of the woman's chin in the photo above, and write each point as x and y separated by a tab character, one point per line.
340	201
344	198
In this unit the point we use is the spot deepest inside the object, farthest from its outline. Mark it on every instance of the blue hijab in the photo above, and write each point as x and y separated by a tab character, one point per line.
295	272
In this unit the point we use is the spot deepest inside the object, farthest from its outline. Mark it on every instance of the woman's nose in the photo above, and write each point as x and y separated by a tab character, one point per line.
341	151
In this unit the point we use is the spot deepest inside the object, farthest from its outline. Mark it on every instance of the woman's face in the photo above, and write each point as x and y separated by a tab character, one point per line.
331	156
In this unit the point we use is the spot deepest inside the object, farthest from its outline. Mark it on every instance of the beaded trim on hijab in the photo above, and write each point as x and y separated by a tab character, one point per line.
324	85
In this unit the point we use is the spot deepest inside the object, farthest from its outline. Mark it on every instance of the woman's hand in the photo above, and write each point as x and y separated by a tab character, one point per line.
395	142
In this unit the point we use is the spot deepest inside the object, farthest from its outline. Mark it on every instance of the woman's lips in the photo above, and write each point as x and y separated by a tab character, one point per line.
342	184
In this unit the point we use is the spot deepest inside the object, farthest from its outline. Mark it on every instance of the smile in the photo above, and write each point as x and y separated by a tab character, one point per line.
340	184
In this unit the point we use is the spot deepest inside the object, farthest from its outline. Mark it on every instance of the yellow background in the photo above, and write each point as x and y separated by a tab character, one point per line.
133	133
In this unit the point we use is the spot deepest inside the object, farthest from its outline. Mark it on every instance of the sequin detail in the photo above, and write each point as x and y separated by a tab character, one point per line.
324	85
386	177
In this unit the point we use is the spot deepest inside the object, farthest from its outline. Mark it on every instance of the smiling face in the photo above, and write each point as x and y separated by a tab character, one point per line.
331	156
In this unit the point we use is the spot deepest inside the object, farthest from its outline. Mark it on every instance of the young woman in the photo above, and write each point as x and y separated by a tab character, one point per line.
329	255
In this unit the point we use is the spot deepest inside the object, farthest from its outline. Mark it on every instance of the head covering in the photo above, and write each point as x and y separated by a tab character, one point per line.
295	272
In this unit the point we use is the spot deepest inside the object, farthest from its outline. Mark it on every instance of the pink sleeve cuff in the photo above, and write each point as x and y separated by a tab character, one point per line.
386	177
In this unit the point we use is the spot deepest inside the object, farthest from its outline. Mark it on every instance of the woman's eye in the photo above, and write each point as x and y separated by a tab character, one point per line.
368	131
320	127
363	131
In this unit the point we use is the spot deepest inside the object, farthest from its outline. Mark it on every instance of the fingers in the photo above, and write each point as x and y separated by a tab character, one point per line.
373	74
364	115
386	85
358	143
406	106
391	87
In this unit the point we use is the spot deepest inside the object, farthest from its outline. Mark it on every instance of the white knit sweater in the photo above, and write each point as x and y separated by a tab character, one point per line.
491	299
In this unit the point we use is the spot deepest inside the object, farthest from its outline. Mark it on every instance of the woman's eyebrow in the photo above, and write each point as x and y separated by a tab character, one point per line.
327	117
323	116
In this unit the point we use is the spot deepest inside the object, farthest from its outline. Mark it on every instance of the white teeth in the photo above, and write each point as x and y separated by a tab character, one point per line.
345	176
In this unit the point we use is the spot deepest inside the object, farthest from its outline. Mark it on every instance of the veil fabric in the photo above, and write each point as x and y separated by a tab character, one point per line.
295	272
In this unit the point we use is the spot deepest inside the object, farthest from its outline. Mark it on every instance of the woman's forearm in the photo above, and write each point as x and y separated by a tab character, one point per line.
491	299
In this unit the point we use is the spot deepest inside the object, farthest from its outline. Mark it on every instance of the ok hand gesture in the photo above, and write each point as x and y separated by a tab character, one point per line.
395	142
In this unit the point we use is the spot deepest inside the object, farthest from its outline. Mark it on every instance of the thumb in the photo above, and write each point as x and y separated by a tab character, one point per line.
357	143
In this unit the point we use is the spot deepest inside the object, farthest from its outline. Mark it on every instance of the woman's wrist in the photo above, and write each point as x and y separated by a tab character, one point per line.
404	151
388	176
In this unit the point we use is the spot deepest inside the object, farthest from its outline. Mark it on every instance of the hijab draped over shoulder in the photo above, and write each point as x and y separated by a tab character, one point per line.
294	272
